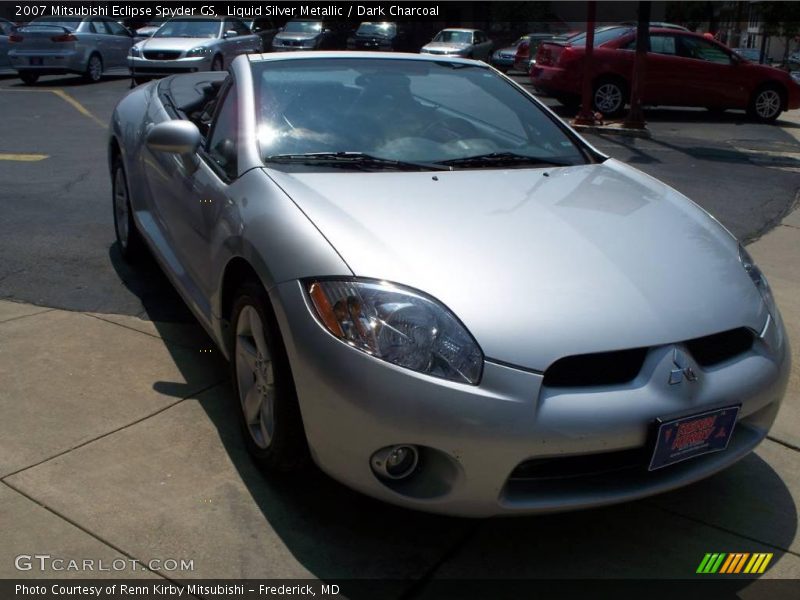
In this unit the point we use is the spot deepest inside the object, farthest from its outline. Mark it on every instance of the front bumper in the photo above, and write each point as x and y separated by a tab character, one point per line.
48	62
474	437
161	68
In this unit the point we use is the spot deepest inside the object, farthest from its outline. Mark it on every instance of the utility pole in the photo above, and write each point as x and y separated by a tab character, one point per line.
586	116
635	119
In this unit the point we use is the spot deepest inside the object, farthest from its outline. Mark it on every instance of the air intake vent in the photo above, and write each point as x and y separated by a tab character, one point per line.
584	465
604	368
713	349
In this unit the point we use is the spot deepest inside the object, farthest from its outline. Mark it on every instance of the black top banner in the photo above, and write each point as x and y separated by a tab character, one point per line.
452	13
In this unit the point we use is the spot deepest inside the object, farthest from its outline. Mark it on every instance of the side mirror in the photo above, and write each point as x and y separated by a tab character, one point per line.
176	137
230	33
280	29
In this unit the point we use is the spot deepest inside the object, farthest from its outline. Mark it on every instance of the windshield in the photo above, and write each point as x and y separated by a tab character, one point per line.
402	110
601	36
454	37
195	28
57	22
379	29
303	27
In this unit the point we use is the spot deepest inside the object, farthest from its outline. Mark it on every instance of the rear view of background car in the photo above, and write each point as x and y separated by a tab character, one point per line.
59	45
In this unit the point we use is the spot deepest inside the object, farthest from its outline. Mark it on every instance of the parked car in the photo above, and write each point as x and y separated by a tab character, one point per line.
525	56
683	69
752	54
265	28
385	36
311	35
503	58
469	43
6	27
88	46
357	259
185	45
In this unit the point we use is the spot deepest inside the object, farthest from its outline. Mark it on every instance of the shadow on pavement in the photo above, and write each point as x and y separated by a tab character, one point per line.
338	534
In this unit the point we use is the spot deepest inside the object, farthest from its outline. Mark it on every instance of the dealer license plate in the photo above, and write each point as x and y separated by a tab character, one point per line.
687	437
36	61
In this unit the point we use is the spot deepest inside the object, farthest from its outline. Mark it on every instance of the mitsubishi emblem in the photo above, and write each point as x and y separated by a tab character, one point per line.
681	368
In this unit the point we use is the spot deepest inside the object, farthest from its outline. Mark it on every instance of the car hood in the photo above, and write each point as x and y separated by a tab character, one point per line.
174	43
445	46
540	263
297	37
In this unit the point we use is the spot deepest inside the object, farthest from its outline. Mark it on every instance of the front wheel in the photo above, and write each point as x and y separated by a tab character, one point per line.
129	241
268	410
766	105
94	69
28	78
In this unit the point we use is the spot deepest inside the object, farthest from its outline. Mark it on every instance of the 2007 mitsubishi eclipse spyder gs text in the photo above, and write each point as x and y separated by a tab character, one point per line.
435	289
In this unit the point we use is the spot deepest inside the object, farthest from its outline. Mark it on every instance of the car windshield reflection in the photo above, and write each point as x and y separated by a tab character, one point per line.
403	110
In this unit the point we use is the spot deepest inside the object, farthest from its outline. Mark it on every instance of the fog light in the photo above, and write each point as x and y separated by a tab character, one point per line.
395	462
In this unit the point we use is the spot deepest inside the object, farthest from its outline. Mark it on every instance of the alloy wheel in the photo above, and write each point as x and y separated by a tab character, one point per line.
255	377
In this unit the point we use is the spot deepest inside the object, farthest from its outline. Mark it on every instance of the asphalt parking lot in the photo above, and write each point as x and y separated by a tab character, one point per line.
120	437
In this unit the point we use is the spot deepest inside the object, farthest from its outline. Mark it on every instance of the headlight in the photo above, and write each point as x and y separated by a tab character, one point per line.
398	325
758	278
199	51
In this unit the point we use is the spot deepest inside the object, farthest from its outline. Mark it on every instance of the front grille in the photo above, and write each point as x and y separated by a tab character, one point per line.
602	368
585	465
714	349
162	54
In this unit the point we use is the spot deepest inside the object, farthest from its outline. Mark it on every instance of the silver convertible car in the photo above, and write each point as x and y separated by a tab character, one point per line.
433	288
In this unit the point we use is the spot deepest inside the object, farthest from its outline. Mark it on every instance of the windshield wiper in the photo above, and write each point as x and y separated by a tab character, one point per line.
499	159
358	160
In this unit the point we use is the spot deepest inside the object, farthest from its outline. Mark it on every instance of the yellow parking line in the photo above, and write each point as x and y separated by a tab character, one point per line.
67	98
23	157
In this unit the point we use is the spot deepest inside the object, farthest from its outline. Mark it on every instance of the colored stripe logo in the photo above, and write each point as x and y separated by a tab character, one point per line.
734	563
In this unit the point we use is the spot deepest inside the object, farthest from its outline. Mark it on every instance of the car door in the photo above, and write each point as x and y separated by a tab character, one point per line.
98	38
662	82
188	201
5	31
709	74
247	41
120	42
484	46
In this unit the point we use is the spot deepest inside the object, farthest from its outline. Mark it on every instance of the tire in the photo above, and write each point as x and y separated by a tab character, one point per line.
767	103
28	77
609	96
217	63
129	240
94	69
271	423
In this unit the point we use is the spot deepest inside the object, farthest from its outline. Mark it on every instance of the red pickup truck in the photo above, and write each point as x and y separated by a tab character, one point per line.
683	69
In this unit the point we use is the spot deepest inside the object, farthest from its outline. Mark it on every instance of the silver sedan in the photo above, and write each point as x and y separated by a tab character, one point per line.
187	45
88	46
429	285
